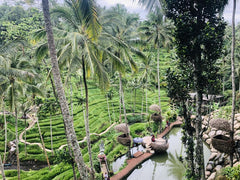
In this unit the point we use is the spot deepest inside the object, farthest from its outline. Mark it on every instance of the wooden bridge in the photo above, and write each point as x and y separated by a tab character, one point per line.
139	156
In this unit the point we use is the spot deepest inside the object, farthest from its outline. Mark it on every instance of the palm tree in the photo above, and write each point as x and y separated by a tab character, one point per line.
81	15
233	78
157	31
16	77
121	39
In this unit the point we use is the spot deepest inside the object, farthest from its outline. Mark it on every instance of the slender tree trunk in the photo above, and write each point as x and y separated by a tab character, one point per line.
158	78
17	149
120	101
51	133
146	95
2	168
5	126
233	78
122	97
142	103
135	95
25	135
71	95
87	120
68	121
223	84
108	110
43	144
113	113
51	80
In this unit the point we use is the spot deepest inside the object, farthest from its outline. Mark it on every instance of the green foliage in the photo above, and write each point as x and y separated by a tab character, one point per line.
171	116
232	172
138	130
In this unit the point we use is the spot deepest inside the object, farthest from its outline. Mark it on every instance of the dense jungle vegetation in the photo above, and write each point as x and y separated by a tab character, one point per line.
113	67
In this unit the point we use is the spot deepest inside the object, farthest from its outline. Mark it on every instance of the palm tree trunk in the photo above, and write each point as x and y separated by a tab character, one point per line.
113	113
5	126
68	121
146	95
51	80
120	102
233	78
25	136
43	144
135	95
158	78
122	96
51	133
108	111
2	168
17	149
87	120
142	103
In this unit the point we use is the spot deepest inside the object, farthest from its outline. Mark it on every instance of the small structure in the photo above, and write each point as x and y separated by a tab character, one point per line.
156	117
160	145
220	124
125	138
223	144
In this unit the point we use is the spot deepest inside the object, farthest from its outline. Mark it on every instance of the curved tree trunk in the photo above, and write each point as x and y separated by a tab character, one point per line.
68	121
87	120
233	78
2	168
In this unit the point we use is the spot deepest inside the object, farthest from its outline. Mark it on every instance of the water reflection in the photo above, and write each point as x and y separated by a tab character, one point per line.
165	166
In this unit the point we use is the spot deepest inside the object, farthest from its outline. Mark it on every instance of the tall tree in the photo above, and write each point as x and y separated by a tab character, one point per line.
158	32
233	78
17	76
121	42
68	121
199	38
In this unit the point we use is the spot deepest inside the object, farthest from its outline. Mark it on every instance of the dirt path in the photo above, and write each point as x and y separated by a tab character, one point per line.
33	121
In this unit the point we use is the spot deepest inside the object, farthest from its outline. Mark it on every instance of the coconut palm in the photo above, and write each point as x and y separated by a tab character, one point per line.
79	47
16	76
120	38
158	32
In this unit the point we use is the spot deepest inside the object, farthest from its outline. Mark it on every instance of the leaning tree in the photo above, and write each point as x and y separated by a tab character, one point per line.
199	38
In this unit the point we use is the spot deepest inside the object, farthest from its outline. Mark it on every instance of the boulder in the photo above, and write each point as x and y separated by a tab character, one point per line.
209	167
218	168
212	176
212	133
219	132
208	141
212	157
205	136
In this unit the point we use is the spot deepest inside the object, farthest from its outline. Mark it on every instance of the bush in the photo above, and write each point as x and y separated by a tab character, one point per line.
232	172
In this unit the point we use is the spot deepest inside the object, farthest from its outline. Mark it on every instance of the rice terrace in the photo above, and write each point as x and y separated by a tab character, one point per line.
119	90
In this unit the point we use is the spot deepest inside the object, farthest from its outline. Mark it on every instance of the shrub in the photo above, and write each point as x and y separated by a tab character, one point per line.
232	172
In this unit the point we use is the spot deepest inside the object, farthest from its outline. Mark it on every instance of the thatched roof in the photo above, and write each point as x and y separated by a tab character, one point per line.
155	107
220	124
124	140
122	128
159	145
